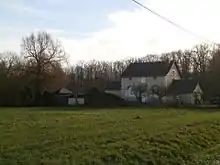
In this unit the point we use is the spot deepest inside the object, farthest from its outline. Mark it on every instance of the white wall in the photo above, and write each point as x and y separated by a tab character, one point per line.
186	99
159	81
128	95
72	101
126	82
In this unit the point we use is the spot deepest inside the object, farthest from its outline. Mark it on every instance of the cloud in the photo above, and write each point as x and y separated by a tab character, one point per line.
11	44
139	32
51	31
22	8
29	10
55	2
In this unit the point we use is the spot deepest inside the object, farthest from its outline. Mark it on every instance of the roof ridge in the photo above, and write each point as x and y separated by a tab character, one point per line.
149	62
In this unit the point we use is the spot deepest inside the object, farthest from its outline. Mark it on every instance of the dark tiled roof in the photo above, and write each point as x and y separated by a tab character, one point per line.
63	91
114	85
182	87
149	69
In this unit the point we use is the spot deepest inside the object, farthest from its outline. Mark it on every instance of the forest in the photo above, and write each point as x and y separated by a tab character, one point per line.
43	66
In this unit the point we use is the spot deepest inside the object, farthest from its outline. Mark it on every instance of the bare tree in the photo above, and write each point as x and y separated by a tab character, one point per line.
201	59
212	78
11	78
43	54
150	58
10	63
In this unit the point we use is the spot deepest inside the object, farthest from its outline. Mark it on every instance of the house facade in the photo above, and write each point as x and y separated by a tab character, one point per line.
162	76
64	97
186	91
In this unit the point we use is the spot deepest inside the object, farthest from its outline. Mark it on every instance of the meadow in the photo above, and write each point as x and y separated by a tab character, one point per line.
131	136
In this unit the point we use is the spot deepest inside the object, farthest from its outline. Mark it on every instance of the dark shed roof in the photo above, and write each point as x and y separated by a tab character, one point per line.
182	87
113	85
148	69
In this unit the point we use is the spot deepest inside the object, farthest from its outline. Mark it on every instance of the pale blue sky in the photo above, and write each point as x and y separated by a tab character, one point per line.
109	29
78	16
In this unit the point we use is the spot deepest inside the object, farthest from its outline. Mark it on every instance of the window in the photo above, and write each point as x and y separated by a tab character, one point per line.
173	73
130	90
143	80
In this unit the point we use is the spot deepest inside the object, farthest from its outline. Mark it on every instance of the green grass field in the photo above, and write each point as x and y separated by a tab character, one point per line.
129	136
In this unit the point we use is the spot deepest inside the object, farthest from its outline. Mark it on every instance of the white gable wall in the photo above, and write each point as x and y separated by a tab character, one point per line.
199	92
173	74
159	81
198	89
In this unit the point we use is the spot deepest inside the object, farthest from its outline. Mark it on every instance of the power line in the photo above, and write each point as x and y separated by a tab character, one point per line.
173	23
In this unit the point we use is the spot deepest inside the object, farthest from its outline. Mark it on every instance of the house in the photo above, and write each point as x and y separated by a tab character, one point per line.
153	74
187	91
161	80
64	97
61	97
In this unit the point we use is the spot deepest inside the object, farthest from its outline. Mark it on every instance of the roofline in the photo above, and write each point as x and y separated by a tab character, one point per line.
112	89
171	63
197	83
140	76
178	70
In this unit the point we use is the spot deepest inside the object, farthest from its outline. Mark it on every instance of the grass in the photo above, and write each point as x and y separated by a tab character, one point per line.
89	137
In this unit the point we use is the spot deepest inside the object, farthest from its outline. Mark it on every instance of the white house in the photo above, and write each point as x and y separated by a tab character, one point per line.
184	91
161	76
153	74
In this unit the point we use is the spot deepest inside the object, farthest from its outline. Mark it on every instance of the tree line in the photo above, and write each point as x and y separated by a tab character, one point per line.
42	67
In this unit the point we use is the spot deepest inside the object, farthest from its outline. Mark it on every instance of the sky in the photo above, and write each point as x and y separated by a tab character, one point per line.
110	29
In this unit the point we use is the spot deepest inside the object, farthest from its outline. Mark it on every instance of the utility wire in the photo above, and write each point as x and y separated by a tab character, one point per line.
173	23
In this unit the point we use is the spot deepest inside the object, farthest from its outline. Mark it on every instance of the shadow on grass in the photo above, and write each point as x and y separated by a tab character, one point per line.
130	107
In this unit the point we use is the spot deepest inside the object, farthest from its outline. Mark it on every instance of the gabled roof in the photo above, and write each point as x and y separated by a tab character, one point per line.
182	87
113	85
59	91
64	91
147	69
